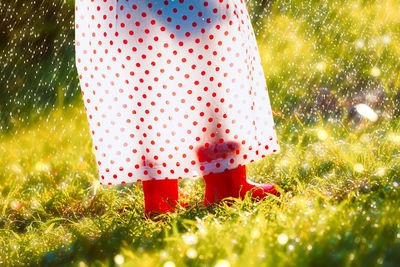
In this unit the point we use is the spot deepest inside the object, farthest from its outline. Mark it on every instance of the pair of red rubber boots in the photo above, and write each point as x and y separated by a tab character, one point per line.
162	196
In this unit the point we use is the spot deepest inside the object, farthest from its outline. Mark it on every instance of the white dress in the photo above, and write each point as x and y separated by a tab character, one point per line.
172	89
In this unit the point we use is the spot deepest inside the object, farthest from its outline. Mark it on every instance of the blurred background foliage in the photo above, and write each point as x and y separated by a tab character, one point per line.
324	56
37	59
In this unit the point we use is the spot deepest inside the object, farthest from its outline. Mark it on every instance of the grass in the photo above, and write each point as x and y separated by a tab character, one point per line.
340	183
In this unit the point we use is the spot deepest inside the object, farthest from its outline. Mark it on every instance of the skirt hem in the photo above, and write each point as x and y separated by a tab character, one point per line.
130	178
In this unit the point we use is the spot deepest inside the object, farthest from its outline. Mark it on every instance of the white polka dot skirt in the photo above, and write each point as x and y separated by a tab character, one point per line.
172	89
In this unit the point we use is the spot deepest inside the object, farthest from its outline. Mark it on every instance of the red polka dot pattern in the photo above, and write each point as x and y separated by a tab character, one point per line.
162	79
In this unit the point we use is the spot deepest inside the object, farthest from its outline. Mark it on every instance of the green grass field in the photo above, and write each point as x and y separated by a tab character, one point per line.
340	184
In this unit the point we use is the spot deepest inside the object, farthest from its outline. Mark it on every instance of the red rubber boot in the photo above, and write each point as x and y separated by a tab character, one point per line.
157	194
233	183
230	183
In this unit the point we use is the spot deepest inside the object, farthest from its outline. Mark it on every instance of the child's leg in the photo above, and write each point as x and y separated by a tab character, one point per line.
159	196
230	183
233	183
